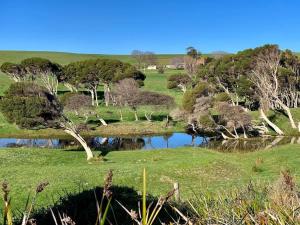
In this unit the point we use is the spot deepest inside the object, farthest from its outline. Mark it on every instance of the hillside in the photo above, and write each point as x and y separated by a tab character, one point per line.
64	58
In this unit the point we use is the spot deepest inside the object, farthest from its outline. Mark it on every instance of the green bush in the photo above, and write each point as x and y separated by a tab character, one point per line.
176	79
189	97
206	121
30	106
222	97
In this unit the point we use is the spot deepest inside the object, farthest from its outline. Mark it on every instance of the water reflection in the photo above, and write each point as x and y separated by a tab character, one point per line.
247	145
112	143
155	142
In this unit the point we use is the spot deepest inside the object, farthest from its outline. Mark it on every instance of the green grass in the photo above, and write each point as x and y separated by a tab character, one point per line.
195	169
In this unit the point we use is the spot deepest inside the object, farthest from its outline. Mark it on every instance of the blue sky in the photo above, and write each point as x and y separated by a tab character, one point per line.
162	26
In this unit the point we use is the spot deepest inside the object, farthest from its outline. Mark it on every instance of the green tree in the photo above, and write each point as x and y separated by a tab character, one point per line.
14	71
32	106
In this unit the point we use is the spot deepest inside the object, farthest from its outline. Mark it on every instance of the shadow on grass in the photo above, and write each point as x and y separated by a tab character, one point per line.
81	207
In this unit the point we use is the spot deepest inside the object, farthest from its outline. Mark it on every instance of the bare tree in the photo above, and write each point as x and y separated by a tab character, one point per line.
177	62
126	93
149	58
265	77
138	56
233	119
144	59
191	65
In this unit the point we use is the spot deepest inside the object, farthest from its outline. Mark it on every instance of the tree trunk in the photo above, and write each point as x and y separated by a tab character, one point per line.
244	131
92	96
121	115
102	121
265	118
288	112
83	143
148	117
136	116
96	96
106	94
69	87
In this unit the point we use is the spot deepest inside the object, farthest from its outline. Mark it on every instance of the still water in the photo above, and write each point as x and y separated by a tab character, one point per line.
174	140
114	143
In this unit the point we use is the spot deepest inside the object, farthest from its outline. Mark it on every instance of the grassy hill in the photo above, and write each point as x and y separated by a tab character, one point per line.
64	58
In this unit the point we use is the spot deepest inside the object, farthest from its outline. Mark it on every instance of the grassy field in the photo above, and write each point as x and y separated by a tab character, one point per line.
67	170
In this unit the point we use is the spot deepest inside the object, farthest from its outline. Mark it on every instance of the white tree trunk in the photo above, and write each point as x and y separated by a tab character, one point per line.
69	87
92	96
106	94
83	143
96	96
136	116
121	115
265	118
102	121
288	112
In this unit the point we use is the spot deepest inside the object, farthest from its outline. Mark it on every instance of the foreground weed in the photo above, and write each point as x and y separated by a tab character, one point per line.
149	214
30	204
273	205
7	214
103	205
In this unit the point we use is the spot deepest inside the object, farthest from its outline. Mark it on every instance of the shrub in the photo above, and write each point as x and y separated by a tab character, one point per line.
154	98
177	79
33	107
189	98
76	102
178	114
222	97
205	121
161	69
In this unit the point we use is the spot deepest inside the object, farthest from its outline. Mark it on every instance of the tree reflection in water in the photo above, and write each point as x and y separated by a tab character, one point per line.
174	140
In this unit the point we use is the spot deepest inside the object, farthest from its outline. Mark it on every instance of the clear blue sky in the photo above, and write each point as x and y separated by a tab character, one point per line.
162	26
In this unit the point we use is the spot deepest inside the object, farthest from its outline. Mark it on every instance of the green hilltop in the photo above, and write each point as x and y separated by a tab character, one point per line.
65	58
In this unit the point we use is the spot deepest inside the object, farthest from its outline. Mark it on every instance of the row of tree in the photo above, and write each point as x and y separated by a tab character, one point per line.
87	74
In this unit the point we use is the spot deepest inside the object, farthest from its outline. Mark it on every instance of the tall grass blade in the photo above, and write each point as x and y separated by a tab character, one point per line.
105	212
144	209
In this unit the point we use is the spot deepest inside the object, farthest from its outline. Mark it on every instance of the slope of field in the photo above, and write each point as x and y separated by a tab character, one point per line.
64	58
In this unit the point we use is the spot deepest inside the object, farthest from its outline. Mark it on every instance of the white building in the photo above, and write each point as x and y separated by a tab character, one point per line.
152	67
171	67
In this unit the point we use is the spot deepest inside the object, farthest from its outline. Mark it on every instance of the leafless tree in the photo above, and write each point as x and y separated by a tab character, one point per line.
138	56
265	77
232	119
126	93
144	59
81	105
150	58
190	65
177	61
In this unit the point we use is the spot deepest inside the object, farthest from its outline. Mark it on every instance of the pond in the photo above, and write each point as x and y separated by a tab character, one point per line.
113	143
174	140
